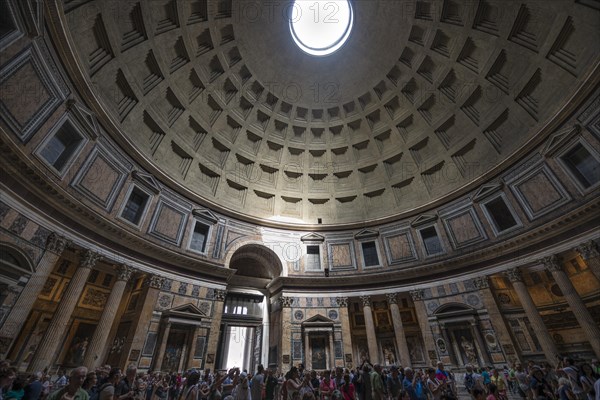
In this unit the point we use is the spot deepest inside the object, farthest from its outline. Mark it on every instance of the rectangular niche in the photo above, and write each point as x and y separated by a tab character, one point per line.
341	255
463	227
168	222
399	247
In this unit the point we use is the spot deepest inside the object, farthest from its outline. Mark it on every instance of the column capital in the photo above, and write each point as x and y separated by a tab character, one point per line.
56	243
124	272
481	282
155	281
588	250
392	298
286	301
342	301
366	301
552	263
89	259
417	295
220	294
514	275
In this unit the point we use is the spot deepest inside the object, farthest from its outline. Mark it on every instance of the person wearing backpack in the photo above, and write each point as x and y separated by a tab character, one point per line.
106	391
470	381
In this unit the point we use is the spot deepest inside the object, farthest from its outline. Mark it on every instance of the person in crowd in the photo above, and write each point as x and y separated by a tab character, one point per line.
89	384
478	394
33	389
539	386
492	392
190	392
587	379
17	390
258	383
347	389
62	380
564	391
327	386
522	381
271	383
394	382
106	391
72	390
125	390
572	373
377	383
292	384
435	387
499	381
409	382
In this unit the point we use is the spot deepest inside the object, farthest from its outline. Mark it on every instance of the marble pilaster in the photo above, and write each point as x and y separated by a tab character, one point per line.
215	327
370	328
421	312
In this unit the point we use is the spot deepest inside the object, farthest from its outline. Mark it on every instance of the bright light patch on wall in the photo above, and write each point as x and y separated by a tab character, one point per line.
321	27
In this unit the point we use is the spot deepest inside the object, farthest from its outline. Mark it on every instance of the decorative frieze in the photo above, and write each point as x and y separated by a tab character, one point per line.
155	281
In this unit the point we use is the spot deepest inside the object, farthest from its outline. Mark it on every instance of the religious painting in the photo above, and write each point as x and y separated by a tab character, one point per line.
382	319
415	349
362	348
388	349
318	346
77	343
466	344
173	351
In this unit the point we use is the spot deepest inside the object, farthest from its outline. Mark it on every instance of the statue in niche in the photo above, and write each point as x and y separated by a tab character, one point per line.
469	350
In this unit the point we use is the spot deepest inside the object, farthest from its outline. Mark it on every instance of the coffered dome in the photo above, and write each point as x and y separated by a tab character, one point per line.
425	100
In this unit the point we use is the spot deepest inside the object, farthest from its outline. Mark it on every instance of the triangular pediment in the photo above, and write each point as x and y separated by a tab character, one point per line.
423	219
556	141
147	180
206	215
318	320
366	234
486	190
313	237
188	310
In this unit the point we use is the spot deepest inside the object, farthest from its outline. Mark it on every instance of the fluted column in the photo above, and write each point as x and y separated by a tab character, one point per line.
163	346
401	343
96	349
586	321
215	327
13	323
370	327
548	345
482	283
57	328
421	312
590	254
342	303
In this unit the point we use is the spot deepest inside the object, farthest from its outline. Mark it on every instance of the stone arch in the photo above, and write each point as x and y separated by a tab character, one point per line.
453	308
252	259
14	264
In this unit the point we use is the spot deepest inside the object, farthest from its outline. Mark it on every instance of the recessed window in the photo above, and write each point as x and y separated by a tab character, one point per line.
431	240
199	237
62	146
321	27
313	258
500	214
370	256
135	206
583	165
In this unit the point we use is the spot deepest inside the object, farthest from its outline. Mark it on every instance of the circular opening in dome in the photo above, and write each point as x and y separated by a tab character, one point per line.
321	27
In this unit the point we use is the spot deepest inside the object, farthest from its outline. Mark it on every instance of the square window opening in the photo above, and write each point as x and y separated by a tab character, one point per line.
313	258
61	147
500	214
370	256
431	240
583	165
135	206
199	237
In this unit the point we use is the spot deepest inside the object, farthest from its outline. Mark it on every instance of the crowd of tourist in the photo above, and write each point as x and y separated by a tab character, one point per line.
569	381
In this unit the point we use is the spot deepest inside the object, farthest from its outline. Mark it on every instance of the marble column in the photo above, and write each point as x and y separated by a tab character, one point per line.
13	323
307	358
57	329
163	346
548	345
482	283
342	303
370	327
590	254
215	327
401	344
421	312
285	344
586	321
331	351
94	355
140	326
